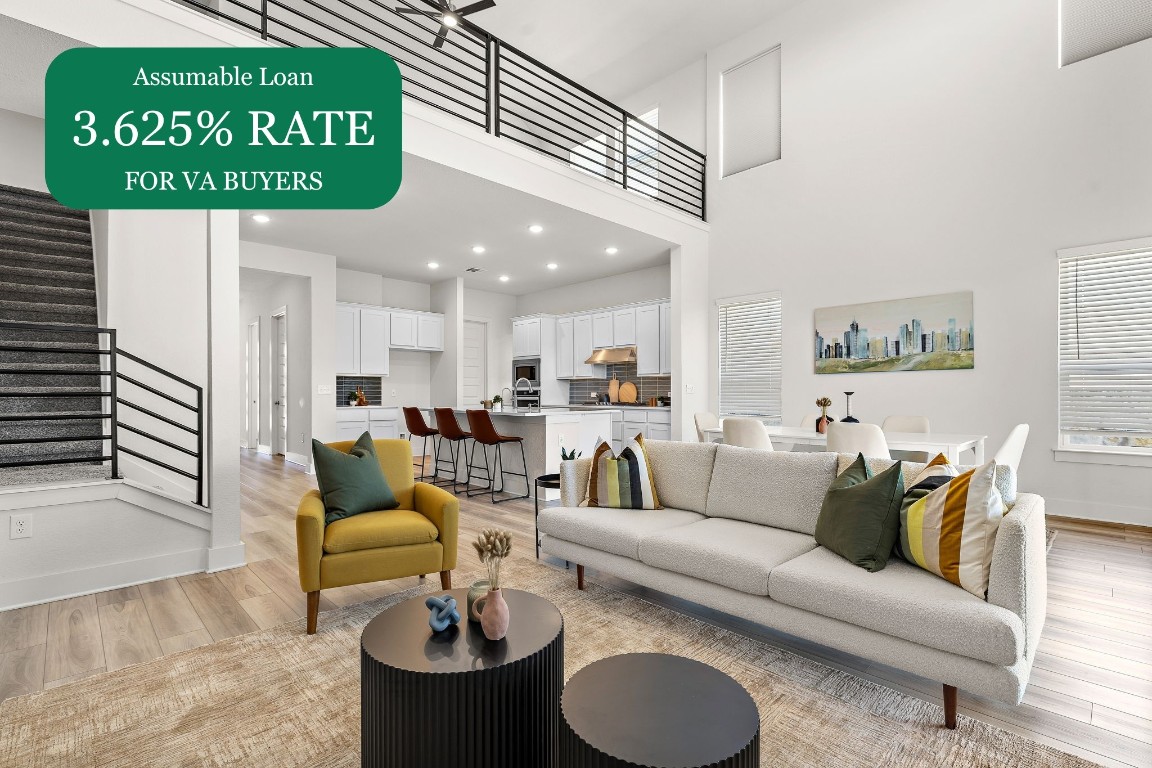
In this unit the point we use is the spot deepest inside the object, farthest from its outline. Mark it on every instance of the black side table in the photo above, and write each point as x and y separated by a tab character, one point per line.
544	481
456	698
655	710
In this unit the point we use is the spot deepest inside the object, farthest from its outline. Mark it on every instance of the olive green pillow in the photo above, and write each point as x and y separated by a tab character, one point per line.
351	483
860	517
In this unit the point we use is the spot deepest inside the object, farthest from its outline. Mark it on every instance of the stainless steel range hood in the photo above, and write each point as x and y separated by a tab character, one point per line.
612	355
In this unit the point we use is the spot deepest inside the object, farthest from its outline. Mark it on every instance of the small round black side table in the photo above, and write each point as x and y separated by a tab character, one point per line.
456	698
544	481
655	710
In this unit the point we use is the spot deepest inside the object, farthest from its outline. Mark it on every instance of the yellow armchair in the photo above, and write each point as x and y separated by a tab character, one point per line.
416	538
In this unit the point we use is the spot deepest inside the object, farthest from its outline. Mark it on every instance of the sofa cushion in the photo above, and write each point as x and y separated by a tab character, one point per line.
682	472
351	482
730	553
776	488
617	531
384	528
902	601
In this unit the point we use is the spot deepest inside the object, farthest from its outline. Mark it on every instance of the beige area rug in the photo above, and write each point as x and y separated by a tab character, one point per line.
280	698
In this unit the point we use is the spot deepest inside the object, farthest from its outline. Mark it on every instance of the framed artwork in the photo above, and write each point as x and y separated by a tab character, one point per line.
925	333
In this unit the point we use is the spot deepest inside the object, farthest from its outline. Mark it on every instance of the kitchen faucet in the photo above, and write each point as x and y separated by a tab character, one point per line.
516	393
510	395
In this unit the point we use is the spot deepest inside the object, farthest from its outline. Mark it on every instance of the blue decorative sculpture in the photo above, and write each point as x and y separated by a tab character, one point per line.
444	613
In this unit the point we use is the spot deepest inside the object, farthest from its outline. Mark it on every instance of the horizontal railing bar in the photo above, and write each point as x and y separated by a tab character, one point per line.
155	391
445	109
160	440
62	439
153	414
409	34
94	393
159	463
157	369
40	462
616	154
540	70
410	81
15	326
60	350
612	118
505	97
54	416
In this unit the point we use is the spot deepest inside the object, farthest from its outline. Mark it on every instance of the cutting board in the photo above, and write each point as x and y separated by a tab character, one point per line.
614	390
627	392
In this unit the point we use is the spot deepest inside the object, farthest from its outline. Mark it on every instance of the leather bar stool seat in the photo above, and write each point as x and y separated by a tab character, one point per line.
484	434
417	427
450	430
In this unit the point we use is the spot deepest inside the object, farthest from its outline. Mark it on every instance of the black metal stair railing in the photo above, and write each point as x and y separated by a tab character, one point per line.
99	412
477	77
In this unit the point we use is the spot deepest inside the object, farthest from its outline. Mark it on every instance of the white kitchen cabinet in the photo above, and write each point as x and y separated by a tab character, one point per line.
402	334
350	430
647	340
582	348
624	327
374	338
430	333
526	337
602	330
565	349
634	424
659	432
666	338
347	340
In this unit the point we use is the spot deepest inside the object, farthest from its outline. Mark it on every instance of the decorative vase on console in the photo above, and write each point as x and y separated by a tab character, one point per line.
491	609
822	423
848	417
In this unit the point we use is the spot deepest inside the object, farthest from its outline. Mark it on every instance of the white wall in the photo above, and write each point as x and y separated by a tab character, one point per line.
22	151
642	285
497	310
931	146
680	97
368	288
447	383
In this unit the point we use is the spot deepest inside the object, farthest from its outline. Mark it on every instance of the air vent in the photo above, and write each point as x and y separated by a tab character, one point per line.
474	270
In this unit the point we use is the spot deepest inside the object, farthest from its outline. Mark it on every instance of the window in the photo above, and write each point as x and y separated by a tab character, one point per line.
750	114
750	359
600	156
1106	347
1091	27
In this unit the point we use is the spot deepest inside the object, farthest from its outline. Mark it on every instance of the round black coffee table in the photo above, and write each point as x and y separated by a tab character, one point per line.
456	698
655	710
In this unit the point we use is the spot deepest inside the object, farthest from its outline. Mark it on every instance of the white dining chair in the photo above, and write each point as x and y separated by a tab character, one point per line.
705	420
917	424
867	439
746	433
1013	447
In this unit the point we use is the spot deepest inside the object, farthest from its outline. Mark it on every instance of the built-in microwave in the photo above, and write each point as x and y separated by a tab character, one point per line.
526	368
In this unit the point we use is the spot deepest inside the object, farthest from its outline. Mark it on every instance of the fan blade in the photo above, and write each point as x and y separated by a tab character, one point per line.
441	36
480	5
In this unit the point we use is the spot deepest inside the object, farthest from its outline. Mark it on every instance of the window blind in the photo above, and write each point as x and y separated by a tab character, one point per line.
1091	27
750	114
750	358
1106	348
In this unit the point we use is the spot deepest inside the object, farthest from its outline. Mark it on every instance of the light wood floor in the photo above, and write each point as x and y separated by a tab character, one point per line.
1090	691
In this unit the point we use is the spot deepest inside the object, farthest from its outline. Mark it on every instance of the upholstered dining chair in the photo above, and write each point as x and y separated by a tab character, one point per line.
416	538
916	424
746	433
705	420
867	439
1012	450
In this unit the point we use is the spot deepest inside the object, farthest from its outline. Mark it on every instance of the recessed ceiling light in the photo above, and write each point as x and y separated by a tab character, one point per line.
553	266
611	250
504	278
433	265
478	249
535	229
260	218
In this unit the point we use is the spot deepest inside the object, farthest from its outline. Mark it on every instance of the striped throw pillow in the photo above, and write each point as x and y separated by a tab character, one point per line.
624	481
951	530
938	467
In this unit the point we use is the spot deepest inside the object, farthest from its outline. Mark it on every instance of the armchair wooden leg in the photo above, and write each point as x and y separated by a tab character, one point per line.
313	610
445	579
950	707
423	575
580	577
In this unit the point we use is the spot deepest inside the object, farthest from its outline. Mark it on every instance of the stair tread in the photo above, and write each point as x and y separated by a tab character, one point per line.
43	232
42	308
24	242
34	273
49	289
59	258
36	199
14	210
52	415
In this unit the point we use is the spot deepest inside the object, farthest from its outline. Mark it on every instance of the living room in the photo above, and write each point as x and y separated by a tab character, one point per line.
900	181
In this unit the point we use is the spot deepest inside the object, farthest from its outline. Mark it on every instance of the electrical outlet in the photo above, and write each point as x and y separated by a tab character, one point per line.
21	527
561	439
393	393
323	389
689	389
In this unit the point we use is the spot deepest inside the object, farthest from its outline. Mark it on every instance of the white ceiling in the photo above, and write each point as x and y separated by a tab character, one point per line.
25	53
440	213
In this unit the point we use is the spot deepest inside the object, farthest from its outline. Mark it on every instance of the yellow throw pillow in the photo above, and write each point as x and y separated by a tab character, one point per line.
938	467
624	481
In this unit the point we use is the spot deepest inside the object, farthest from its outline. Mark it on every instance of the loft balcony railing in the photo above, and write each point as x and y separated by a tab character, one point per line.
479	78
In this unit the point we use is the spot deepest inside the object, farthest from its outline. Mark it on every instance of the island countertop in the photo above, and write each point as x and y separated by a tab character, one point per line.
547	414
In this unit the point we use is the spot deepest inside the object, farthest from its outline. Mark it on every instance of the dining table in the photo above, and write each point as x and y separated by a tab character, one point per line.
950	444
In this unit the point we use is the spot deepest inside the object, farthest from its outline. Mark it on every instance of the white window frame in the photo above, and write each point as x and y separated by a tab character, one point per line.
766	415
1065	451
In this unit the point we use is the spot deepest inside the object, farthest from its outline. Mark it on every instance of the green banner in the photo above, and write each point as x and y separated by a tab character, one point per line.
223	128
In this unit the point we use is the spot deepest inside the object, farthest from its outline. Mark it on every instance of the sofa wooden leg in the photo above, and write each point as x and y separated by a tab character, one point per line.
579	577
313	610
950	707
445	579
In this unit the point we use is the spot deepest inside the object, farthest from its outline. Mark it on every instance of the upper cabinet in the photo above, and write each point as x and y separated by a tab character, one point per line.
430	332
582	347
526	337
647	340
417	330
565	348
374	342
624	327
602	330
403	333
365	334
644	326
666	338
347	340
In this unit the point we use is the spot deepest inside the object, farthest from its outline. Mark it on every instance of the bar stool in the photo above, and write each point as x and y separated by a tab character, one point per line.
450	430
484	433
417	427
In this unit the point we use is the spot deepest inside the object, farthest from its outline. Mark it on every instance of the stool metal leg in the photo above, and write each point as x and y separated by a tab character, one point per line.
503	472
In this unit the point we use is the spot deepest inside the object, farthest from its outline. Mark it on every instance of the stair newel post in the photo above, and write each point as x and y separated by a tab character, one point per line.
113	430
200	446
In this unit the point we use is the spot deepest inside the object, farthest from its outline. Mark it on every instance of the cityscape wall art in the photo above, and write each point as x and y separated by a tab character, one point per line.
926	333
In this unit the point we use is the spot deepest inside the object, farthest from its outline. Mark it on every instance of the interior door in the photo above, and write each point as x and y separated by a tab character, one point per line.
280	410
475	363
252	387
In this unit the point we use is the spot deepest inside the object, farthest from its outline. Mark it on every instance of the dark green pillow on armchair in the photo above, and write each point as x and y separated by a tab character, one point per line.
860	517
351	483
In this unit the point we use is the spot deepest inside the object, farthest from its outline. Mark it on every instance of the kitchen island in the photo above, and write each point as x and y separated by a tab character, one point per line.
544	433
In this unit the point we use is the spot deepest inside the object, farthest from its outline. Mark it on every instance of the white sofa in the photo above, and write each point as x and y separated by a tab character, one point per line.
736	535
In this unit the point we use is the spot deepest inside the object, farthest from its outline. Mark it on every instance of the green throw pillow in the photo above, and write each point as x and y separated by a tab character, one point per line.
860	517
351	483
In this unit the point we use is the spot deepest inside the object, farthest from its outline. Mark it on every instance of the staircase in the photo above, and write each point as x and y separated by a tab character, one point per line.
50	401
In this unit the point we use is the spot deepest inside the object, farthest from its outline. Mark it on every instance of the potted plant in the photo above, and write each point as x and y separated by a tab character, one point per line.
492	546
497	403
822	423
569	455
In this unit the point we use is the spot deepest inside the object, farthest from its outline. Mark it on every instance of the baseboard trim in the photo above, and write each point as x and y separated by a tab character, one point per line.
297	458
223	558
100	578
1095	511
260	448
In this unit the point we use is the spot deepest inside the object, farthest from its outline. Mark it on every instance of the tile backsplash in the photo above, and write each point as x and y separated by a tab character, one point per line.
346	385
580	391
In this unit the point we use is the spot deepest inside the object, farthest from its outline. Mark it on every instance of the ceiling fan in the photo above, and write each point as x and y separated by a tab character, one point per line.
448	15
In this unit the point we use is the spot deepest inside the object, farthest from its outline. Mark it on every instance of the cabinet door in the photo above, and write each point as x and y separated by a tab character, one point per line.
403	330
383	430
350	430
602	334
633	428
581	345
624	327
659	432
648	340
666	339
565	360
347	340
519	338
533	348
374	342
430	333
